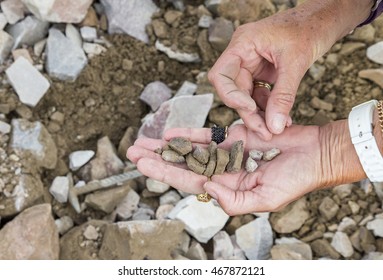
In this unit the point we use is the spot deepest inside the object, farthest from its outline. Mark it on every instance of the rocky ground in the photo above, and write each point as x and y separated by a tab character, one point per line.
78	84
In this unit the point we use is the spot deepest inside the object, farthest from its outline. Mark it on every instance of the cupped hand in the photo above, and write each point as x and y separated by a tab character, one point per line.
293	173
279	50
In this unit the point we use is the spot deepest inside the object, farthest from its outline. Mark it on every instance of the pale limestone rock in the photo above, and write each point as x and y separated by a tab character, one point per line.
29	84
271	154
342	244
202	220
183	111
3	21
343	191
138	240
328	208
291	218
155	93
128	205
178	55
6	43
64	224
376	226
255	239
375	52
223	247
255	154
28	31
60	188
130	17
93	49
68	11
79	158
13	10
220	32
22	52
196	252
292	251
251	165
88	33
106	163
31	235
187	89
156	186
34	138
375	75
5	128
27	193
73	34
91	233
65	59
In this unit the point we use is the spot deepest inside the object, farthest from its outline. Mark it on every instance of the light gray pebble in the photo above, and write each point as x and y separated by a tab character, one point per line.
256	155
269	155
251	165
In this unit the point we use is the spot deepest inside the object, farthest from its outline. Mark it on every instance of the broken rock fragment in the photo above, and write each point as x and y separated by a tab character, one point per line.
172	156
194	165
201	154
236	157
223	158
181	145
210	167
269	155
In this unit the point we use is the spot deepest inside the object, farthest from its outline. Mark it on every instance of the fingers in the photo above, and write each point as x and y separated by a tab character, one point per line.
224	75
282	98
180	179
255	122
195	135
235	202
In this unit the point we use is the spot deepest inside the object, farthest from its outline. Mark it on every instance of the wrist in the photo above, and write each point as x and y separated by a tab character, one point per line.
339	160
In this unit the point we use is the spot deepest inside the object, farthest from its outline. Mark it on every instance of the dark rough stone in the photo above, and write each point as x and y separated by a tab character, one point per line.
201	154
223	157
212	160
181	145
194	165
322	248
236	157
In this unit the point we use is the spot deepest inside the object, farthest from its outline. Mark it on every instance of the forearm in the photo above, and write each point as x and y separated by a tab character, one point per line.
339	160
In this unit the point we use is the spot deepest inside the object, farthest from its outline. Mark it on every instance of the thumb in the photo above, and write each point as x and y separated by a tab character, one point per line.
282	99
232	202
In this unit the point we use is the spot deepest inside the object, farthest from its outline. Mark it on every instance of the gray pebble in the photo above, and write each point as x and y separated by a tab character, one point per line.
251	165
201	154
172	156
269	155
256	155
236	157
194	165
222	161
210	167
181	145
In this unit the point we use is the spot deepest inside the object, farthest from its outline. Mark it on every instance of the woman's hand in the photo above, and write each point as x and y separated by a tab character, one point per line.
293	173
279	50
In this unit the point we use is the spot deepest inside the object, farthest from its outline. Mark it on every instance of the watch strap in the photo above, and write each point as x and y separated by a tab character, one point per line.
361	132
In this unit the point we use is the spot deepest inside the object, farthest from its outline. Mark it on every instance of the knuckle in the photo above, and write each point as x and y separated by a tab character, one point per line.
285	98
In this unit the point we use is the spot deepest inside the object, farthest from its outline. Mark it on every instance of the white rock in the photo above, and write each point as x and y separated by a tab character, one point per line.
196	252
342	244
29	84
202	220
91	233
39	47
187	88
265	215
5	128
130	17
205	21
163	211
255	239
3	21
171	197
238	252
343	191
128	205
73	34
64	224
6	43
255	154
287	240
156	186
346	224
366	219
28	31
373	256
88	33
68	11
223	247
376	226
269	155
79	158
155	93
13	10
179	56
378	186
34	138
354	207
291	251
65	59
375	52
251	165
93	49
60	188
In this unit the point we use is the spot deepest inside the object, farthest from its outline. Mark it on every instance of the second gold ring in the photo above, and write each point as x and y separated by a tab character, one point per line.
260	84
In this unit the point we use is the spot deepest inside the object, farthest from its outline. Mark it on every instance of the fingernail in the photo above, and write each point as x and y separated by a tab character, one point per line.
278	123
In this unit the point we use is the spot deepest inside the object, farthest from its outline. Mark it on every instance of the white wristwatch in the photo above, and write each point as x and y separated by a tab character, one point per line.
360	122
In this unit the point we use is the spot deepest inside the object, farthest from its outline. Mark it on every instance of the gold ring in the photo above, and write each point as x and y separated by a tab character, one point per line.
259	84
203	197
